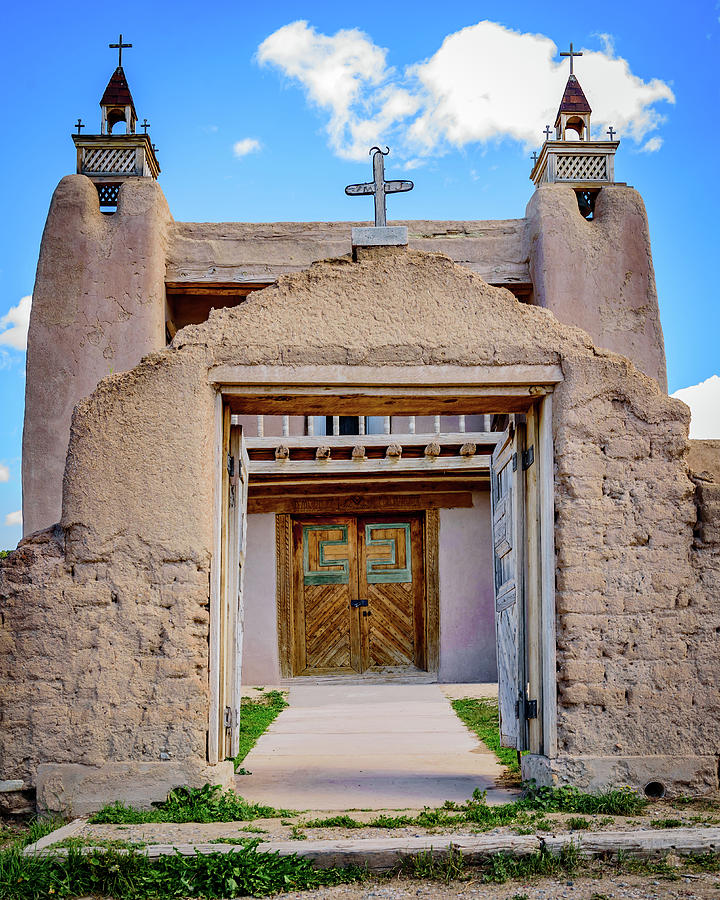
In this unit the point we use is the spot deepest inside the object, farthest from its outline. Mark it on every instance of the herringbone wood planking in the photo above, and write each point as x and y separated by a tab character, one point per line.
327	626
391	625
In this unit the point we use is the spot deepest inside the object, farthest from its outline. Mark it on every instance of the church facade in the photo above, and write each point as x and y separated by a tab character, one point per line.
429	451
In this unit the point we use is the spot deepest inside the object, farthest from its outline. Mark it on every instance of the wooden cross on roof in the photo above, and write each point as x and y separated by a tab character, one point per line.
571	53
378	186
119	47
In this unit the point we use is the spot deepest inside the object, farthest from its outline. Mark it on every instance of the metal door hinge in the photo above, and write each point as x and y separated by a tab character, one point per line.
230	718
231	465
531	710
528	457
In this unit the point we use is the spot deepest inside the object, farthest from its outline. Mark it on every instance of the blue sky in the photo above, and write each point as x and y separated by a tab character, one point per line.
304	104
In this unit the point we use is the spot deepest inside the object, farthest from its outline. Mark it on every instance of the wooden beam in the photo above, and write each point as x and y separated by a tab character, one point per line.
295	467
376	502
349	441
547	550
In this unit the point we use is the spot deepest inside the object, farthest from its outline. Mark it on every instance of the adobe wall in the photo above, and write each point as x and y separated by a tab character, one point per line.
98	307
598	274
126	580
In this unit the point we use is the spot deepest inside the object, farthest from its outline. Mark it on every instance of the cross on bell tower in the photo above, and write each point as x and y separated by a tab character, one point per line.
574	112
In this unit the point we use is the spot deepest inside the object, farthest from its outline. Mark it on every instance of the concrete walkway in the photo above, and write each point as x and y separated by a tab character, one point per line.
368	747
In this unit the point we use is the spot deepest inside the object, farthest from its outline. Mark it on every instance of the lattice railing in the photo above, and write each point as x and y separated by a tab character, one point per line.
109	159
581	168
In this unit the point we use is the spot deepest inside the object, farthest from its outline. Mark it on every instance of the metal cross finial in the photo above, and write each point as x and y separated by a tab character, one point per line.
571	53
611	131
119	47
378	186
79	124
547	132
534	157
145	125
155	149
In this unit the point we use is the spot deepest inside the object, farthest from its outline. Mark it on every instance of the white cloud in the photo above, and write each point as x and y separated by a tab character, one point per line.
245	146
704	402
652	145
14	518
4	473
15	324
485	82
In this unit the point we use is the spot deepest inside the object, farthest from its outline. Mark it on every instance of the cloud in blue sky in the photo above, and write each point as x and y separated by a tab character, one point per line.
246	145
4	473
14	325
484	82
704	402
14	518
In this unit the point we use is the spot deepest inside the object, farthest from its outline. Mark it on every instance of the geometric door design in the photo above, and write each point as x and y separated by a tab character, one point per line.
359	594
506	504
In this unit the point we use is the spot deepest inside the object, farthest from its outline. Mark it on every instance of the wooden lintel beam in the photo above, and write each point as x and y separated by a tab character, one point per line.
370	502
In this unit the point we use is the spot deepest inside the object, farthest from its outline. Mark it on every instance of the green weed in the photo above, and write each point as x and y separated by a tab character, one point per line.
132	876
667	823
568	799
334	822
297	834
577	823
255	716
481	716
448	867
184	804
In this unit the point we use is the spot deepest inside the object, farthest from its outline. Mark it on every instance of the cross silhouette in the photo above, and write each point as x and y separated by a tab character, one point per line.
119	47
611	131
155	149
79	124
571	53
547	132
534	157
378	186
145	125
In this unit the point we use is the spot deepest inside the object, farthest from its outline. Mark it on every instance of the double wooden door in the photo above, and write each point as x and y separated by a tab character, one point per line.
359	594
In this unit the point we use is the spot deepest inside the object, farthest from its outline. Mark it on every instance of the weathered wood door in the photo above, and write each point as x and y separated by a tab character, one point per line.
359	594
508	543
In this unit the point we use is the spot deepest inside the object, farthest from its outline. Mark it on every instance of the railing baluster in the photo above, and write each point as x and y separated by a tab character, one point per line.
437	424
261	426
386	424
361	424
461	424
411	425
285	426
310	425
336	424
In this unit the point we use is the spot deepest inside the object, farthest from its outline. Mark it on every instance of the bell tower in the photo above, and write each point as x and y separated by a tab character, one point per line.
108	158
573	157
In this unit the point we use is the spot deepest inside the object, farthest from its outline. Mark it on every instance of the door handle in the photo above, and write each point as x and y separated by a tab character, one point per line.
358	603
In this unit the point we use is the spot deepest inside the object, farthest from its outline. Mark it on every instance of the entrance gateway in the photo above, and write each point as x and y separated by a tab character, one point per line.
355	591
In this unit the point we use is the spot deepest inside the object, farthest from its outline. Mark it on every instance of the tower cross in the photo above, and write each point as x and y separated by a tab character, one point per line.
547	132
611	131
145	125
79	124
571	53
378	186
120	46
534	157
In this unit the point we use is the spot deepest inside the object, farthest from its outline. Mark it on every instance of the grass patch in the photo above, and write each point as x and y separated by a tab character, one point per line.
578	823
667	823
255	717
184	804
244	872
334	822
482	717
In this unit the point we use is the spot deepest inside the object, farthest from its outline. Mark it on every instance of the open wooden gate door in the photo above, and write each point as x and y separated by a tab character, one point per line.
234	537
507	484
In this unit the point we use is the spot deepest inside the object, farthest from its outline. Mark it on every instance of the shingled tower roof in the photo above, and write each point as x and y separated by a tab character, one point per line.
573	101
117	92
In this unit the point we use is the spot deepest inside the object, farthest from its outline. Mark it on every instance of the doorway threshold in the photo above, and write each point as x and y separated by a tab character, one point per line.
373	675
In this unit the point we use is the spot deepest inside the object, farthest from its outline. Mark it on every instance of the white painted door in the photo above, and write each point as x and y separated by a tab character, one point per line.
507	511
237	541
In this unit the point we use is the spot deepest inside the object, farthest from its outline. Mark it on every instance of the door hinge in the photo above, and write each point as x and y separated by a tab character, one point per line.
230	718
231	465
530	709
528	457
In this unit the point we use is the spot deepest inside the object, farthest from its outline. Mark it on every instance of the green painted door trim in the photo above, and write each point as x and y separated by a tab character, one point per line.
315	576
388	576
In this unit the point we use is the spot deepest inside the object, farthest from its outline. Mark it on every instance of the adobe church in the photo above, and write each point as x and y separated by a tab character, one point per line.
430	450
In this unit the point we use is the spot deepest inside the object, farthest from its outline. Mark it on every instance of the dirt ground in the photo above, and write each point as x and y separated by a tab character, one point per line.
698	887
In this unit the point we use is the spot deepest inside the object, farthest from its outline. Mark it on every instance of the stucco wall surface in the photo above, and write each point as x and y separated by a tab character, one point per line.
637	601
98	308
467	602
260	659
598	274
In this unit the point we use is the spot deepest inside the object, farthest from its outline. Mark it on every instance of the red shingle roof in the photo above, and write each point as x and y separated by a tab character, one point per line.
573	101
117	92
